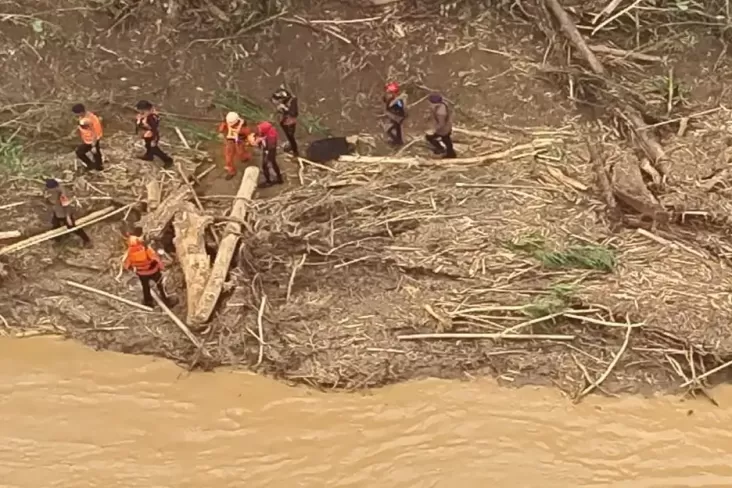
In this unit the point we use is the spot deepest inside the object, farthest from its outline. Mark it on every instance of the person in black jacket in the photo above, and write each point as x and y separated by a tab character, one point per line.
286	104
396	112
148	121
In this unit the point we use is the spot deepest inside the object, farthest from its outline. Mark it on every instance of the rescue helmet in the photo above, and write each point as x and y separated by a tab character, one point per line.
435	98
232	118
392	87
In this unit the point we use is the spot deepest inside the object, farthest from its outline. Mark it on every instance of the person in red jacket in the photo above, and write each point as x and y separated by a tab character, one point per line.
266	139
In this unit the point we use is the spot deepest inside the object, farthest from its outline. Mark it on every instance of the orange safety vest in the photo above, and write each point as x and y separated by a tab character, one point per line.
142	122
89	126
142	259
233	132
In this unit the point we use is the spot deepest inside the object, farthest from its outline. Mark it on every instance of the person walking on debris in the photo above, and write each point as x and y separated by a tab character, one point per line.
442	134
235	133
266	139
287	107
148	120
396	112
146	263
90	131
62	210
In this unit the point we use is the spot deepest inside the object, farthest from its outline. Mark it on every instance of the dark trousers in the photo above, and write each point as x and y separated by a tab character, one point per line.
82	152
70	223
394	132
437	142
269	166
289	130
145	281
154	150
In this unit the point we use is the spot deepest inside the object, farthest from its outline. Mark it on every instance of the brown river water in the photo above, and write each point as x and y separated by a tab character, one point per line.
71	417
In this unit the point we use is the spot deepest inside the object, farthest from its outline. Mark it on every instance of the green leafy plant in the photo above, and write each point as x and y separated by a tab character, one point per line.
584	257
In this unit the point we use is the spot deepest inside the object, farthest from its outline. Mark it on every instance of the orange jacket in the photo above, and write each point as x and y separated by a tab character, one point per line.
90	127
237	132
144	260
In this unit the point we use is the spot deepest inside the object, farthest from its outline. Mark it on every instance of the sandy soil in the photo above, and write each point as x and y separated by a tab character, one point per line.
443	249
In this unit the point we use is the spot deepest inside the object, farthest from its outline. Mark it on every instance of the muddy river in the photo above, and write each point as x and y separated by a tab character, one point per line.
72	417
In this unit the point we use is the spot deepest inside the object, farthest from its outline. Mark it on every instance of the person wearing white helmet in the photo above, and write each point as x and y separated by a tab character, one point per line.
235	133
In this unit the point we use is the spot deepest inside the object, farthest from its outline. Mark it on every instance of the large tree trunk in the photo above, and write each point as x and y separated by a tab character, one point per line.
212	292
154	223
190	247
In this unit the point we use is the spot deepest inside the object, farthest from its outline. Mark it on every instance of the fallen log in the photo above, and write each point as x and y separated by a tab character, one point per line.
633	118
190	250
496	336
179	323
155	222
90	219
153	195
519	150
108	295
10	234
622	53
212	291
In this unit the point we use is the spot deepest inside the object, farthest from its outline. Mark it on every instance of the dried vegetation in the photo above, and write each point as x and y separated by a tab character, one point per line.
592	253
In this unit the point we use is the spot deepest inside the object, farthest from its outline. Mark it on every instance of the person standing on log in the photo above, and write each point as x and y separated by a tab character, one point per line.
62	210
287	107
148	121
146	263
266	139
90	131
235	133
442	134
396	112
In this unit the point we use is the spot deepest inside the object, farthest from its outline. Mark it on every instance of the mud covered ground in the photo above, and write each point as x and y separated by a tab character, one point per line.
353	256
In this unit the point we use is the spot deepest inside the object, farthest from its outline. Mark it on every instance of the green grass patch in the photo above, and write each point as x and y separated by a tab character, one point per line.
559	299
584	257
193	132
254	112
12	154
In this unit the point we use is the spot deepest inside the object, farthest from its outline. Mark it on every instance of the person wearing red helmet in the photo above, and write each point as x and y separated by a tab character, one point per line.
266	139
396	112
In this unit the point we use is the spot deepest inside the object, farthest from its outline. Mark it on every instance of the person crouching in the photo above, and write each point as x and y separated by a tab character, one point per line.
146	263
235	133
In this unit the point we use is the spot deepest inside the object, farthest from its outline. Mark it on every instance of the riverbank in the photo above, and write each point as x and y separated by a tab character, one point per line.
356	257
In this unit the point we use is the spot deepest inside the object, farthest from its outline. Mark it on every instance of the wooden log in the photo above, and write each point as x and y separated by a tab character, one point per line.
645	139
220	270
574	36
496	336
622	53
530	148
154	193
190	249
90	219
108	295
155	222
9	234
179	323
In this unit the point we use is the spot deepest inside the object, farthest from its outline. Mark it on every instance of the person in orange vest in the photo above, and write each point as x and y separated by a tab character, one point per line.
266	138
90	131
146	263
235	133
148	121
